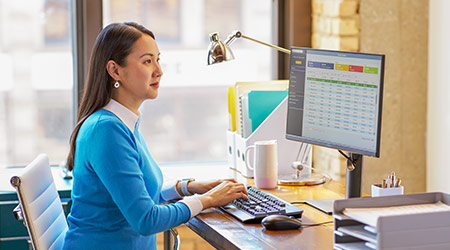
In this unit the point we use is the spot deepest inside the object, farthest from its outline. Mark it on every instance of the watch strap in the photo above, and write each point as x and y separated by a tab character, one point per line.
184	187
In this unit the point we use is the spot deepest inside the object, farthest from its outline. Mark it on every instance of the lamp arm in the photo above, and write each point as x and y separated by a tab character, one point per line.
270	45
237	34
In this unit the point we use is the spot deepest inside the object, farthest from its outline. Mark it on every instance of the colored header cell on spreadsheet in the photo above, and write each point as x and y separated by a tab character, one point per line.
346	54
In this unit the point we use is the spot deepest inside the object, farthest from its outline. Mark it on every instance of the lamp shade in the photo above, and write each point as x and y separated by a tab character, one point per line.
218	51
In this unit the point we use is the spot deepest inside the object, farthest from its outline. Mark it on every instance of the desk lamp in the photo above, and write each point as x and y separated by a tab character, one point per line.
221	52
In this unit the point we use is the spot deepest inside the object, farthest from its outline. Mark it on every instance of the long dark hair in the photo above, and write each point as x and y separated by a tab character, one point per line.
114	42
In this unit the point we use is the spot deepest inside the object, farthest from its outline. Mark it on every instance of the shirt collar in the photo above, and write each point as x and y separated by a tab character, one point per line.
130	119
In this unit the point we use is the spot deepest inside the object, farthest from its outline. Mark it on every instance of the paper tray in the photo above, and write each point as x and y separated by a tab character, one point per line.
424	231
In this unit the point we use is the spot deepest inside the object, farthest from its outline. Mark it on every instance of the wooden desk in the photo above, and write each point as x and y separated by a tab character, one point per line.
225	232
216	227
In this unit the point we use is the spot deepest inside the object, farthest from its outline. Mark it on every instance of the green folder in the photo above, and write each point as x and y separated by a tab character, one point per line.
261	103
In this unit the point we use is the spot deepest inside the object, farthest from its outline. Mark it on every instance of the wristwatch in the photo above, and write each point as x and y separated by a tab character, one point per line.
184	186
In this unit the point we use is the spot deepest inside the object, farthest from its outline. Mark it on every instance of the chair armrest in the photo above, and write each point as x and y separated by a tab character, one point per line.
17	211
176	239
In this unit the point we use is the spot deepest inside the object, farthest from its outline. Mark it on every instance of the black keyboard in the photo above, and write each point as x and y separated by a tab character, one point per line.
259	205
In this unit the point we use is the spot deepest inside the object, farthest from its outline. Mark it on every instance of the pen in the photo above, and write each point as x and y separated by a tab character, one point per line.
391	181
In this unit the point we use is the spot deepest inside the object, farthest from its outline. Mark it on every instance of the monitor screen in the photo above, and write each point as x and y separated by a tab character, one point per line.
335	99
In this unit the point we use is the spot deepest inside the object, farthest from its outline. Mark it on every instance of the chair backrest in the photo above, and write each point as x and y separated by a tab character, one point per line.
41	205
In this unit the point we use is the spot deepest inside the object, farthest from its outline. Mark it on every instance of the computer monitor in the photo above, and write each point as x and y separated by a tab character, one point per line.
335	101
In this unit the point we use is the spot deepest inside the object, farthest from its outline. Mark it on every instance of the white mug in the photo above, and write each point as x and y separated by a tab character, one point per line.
266	163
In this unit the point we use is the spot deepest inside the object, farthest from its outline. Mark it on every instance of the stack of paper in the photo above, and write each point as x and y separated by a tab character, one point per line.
370	216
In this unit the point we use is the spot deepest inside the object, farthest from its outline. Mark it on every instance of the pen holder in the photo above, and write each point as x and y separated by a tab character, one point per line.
377	190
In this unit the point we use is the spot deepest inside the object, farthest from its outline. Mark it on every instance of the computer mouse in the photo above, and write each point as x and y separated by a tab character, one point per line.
280	222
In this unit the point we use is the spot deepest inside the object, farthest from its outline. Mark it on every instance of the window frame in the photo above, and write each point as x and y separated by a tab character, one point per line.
87	21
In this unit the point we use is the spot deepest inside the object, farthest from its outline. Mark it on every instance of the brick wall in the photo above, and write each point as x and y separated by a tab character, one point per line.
335	24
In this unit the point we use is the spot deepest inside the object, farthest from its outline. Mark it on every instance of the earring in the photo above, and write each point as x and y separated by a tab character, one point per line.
117	84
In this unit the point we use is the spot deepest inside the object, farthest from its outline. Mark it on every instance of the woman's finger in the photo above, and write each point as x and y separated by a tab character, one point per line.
241	188
245	196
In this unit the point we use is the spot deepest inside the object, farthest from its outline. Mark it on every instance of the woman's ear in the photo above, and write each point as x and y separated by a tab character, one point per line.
113	70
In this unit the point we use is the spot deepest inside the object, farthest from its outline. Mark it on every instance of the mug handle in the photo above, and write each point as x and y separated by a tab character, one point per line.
247	162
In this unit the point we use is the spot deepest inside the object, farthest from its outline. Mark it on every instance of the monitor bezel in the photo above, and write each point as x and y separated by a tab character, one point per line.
375	153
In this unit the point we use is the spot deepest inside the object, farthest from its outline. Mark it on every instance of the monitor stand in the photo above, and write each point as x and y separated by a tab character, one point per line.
298	180
352	185
324	205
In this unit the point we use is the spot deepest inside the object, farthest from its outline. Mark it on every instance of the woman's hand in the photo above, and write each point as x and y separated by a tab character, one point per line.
201	187
223	193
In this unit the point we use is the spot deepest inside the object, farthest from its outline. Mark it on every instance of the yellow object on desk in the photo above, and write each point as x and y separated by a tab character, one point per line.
232	108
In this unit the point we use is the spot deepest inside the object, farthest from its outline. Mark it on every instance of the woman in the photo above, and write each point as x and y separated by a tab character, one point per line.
117	185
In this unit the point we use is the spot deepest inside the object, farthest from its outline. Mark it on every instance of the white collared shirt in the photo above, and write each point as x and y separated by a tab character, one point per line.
123	113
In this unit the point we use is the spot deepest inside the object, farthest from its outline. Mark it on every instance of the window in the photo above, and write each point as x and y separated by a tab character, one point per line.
188	120
36	88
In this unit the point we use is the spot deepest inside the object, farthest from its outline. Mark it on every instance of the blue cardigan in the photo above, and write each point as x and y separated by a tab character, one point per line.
117	189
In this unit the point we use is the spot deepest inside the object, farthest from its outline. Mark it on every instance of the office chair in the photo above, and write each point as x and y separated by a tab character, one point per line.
41	209
40	206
